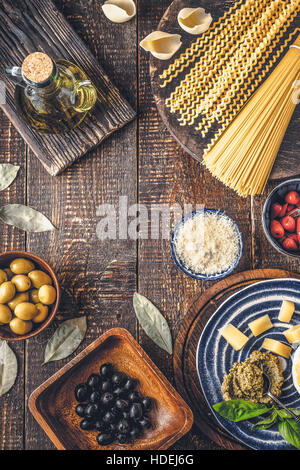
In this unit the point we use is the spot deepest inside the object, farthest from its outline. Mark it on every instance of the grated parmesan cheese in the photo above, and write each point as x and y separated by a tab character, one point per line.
207	243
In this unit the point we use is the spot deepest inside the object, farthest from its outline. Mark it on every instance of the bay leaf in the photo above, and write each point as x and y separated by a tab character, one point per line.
8	173
66	339
152	322
25	218
8	368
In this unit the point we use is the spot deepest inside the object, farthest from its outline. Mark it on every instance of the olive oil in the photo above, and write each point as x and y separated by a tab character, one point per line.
52	97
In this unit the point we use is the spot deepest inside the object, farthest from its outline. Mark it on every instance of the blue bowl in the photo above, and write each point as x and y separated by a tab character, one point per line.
185	269
277	195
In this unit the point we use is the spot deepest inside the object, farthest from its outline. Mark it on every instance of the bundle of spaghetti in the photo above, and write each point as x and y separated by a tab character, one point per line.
217	35
209	94
243	157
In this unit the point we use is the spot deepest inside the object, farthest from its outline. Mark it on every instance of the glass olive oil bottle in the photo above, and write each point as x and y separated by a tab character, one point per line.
52	97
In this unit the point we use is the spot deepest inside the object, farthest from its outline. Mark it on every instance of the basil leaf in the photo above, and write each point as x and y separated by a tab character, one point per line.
25	218
8	173
152	322
239	410
66	339
267	422
284	414
289	429
8	368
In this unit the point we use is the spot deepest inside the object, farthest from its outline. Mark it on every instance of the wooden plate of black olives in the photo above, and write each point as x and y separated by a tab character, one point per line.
111	396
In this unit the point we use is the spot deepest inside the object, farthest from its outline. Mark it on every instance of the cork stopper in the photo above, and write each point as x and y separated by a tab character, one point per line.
37	67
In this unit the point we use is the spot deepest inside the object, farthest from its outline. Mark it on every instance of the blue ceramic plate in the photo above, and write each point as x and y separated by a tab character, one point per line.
179	263
215	356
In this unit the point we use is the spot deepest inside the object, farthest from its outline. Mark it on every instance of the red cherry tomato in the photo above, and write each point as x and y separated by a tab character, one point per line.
283	210
288	223
298	229
276	229
291	209
292	197
276	208
290	244
293	236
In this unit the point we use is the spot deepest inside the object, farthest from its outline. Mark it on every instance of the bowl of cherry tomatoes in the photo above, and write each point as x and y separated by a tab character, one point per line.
281	218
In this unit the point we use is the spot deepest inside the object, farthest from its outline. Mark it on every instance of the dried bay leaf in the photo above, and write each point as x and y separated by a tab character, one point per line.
8	173
25	218
66	339
8	368
152	322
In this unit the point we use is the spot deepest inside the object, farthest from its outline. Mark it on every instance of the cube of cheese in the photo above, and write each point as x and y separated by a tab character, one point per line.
292	334
260	325
234	336
286	311
277	347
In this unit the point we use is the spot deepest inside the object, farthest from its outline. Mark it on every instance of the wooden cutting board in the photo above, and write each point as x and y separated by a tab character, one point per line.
36	25
202	308
287	163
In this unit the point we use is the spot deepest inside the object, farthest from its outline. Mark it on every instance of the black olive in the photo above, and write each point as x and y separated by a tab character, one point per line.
112	428
106	386
110	417
94	381
136	411
104	439
130	384
107	399
91	410
135	397
82	392
95	397
122	438
106	370
99	425
118	378
126	415
80	410
124	426
145	422
122	405
147	403
120	392
86	424
135	432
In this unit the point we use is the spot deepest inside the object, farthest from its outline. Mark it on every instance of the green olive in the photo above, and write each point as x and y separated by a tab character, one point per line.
21	266
3	276
5	314
7	292
9	273
47	295
22	282
42	315
26	311
22	297
39	278
34	296
20	327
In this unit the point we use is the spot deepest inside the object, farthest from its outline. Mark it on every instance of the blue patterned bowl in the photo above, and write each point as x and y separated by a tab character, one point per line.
215	356
277	195
179	263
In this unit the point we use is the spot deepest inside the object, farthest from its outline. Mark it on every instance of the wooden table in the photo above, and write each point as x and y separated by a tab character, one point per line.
98	278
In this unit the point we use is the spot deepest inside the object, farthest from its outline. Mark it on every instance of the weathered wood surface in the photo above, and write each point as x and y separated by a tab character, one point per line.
98	278
29	26
287	163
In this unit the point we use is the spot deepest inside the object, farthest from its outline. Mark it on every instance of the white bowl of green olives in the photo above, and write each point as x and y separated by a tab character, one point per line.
29	295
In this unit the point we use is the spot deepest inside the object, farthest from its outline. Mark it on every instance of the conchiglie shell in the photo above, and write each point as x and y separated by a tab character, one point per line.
161	45
194	20
119	11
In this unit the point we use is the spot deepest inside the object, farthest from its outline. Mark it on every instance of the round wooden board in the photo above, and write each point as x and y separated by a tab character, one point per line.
184	359
287	161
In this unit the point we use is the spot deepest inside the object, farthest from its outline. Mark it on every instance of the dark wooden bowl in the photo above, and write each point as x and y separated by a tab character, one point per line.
5	259
53	403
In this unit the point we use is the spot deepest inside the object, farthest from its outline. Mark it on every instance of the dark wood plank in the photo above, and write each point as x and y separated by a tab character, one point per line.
287	161
97	277
12	406
27	26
